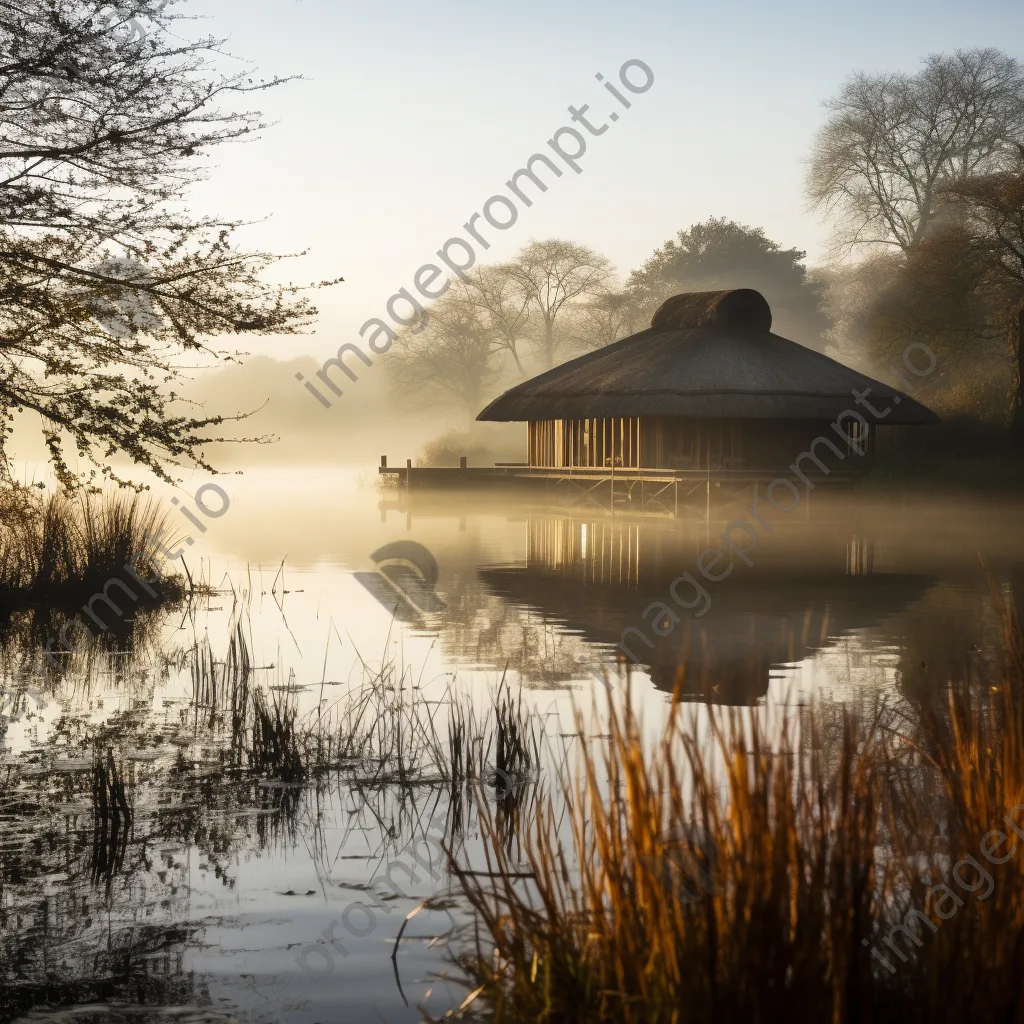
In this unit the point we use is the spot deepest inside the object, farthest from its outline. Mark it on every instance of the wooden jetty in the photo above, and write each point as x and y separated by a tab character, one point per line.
678	493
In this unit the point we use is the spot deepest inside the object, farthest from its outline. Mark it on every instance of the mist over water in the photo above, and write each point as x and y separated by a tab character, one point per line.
526	528
862	597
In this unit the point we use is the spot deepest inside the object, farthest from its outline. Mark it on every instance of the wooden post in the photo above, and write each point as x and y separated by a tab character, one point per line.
383	462
462	462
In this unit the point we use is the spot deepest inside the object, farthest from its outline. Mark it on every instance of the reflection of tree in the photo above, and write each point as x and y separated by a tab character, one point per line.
25	634
66	936
107	827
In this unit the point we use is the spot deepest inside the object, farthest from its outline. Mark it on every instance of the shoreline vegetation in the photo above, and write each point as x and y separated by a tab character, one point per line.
845	864
960	454
853	867
84	564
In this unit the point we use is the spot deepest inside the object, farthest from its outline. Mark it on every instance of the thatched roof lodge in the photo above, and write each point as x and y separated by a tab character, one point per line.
706	386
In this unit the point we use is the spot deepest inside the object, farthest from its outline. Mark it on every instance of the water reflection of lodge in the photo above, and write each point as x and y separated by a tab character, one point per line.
602	551
609	582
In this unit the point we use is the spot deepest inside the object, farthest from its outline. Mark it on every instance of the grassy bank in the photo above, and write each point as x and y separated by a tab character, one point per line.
818	876
58	552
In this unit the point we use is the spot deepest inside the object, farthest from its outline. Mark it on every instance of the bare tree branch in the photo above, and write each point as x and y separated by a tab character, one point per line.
891	140
106	279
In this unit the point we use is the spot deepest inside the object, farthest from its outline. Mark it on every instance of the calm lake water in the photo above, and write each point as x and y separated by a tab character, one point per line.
228	889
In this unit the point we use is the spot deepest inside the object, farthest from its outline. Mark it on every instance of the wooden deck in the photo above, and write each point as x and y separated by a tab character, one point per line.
671	492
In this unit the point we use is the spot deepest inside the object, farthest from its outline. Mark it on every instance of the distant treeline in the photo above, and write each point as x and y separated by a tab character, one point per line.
922	179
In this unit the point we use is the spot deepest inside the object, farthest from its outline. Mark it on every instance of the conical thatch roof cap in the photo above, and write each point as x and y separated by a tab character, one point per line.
706	354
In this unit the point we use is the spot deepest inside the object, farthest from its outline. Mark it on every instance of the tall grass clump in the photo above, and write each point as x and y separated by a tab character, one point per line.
59	550
973	739
613	927
389	731
276	750
385	730
221	689
813	870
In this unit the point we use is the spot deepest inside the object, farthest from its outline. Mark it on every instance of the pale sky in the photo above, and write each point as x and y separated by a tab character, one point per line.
413	114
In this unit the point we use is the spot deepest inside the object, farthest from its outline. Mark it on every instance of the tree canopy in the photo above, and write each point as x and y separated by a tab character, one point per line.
550	299
891	140
107	281
557	277
720	254
991	207
451	358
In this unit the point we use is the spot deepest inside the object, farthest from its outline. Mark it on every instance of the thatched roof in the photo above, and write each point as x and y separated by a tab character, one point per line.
706	354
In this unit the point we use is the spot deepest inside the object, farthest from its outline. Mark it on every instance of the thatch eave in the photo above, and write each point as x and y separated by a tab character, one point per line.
698	363
705	405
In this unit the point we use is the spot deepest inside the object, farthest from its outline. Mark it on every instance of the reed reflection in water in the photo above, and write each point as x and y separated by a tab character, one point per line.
272	769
